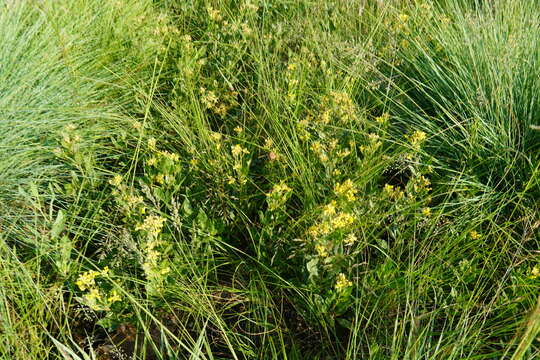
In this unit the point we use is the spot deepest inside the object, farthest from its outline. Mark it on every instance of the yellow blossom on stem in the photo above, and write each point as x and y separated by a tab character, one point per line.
330	208
152	224
87	279
342	220
403	17
152	143
321	250
383	119
342	282
237	150
417	138
535	272
114	297
238	129
346	189
116	180
350	239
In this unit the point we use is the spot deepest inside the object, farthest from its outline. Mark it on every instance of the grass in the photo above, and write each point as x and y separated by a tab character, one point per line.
269	180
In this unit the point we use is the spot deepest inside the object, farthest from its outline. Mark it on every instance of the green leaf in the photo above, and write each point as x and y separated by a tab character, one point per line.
186	206
58	225
312	268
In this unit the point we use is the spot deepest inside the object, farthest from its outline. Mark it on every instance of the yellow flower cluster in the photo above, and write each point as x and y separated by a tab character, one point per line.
319	149
346	189
342	106
237	150
383	119
342	282
152	225
321	229
330	208
93	297
152	264
474	235
171	156
116	180
152	143
219	105
417	138
535	272
421	183
70	140
342	220
278	196
393	192
403	17
374	143
350	239
214	14
321	250
87	279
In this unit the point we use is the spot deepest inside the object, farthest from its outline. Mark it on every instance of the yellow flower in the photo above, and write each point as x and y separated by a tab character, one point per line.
330	209
403	17
535	272
152	224
350	239
152	143
474	235
152	255
214	14
316	147
116	180
383	118
393	192
321	250
216	136
278	196
342	283
114	297
87	279
237	150
426	211
347	189
238	129
93	294
171	156
160	179
417	138
151	162
133	200
342	220
313	231
324	228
